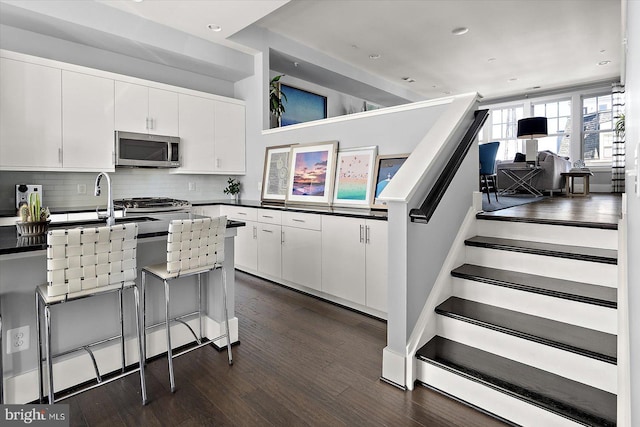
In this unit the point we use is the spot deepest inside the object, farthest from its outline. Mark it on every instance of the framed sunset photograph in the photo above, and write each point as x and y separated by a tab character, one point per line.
312	169
354	175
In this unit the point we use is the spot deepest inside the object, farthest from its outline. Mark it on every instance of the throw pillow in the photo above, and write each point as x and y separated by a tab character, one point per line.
520	158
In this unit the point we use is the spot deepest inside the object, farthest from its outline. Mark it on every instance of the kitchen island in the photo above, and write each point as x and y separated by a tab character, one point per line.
23	267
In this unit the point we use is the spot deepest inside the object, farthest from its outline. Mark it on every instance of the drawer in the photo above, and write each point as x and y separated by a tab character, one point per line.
269	216
239	213
301	220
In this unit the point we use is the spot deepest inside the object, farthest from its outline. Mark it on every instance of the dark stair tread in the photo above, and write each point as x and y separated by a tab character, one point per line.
581	253
492	216
587	342
576	291
571	399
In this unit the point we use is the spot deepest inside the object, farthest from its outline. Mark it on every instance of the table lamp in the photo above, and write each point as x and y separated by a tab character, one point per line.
530	128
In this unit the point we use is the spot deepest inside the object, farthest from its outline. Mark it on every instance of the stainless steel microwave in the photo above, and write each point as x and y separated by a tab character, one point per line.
144	150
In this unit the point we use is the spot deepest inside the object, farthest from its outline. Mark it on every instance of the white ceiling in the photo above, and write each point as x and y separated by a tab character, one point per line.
511	47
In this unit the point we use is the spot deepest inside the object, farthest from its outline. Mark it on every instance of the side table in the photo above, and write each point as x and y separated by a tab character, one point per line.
570	186
521	180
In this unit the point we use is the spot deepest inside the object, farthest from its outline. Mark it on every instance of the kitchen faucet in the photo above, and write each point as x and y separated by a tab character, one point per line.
111	213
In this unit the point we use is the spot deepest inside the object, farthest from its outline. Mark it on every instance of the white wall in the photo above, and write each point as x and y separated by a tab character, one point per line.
632	85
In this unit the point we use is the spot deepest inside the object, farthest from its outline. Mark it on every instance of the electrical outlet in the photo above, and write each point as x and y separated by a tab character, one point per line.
18	339
82	188
192	186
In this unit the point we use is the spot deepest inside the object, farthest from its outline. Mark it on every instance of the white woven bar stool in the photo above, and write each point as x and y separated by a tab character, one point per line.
81	263
194	247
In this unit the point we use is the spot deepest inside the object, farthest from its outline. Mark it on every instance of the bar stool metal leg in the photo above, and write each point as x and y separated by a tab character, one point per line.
1	366
39	349
169	352
226	314
144	316
140	332
47	337
120	310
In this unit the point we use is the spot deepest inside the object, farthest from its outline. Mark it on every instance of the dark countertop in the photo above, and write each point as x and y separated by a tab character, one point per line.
149	226
323	210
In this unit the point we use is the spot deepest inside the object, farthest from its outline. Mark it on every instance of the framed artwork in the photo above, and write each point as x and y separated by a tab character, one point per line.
312	169
275	173
386	168
301	106
354	176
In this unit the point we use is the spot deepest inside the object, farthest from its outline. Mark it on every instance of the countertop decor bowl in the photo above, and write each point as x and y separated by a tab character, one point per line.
28	229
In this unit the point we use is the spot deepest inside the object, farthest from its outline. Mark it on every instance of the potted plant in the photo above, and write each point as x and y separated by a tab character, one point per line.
233	188
275	99
34	219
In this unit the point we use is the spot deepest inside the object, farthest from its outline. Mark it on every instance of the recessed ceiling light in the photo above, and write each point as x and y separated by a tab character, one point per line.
447	92
534	87
491	59
214	27
460	31
603	50
512	79
138	1
374	56
408	79
604	62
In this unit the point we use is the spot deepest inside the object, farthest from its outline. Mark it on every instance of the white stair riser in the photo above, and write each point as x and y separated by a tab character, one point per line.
562	268
496	402
576	367
562	310
558	234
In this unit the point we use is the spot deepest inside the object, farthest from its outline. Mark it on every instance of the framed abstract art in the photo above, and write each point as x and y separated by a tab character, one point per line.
276	173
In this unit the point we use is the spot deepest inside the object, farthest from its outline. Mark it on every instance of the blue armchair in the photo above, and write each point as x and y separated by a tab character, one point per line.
488	179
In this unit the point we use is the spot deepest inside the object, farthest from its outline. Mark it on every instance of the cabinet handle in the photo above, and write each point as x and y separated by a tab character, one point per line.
367	232
297	220
361	233
242	213
147	123
113	157
218	163
255	232
267	231
59	155
267	216
282	237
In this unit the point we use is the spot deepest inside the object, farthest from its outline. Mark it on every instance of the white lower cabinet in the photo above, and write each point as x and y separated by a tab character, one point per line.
302	249
246	242
341	257
269	250
354	260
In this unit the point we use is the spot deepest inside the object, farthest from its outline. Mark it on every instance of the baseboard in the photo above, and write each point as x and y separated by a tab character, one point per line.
76	368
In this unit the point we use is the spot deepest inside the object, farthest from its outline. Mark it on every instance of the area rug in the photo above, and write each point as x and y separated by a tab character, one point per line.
508	201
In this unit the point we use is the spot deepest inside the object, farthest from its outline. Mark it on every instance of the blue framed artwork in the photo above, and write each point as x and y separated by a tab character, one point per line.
301	106
386	168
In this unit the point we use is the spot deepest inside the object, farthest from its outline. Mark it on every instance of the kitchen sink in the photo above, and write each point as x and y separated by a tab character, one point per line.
100	222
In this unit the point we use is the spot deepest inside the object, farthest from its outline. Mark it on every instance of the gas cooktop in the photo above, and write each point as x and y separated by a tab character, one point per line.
152	204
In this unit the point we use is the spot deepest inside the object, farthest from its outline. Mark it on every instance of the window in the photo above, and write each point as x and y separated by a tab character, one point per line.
504	128
558	114
597	130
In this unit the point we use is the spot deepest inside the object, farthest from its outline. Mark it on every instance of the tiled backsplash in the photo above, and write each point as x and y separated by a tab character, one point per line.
60	189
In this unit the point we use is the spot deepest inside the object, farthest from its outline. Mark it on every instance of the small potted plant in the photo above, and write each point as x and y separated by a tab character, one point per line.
233	188
34	219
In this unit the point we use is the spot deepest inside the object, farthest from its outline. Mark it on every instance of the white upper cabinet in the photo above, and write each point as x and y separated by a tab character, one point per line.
87	122
230	138
197	133
145	109
30	116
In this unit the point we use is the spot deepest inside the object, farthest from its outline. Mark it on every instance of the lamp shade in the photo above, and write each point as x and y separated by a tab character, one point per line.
532	127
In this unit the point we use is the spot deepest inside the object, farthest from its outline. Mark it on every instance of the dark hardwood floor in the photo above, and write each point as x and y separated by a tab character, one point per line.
597	210
301	361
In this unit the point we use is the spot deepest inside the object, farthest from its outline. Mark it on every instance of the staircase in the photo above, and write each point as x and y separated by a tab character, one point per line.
529	333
